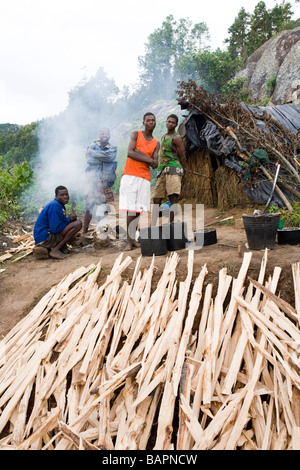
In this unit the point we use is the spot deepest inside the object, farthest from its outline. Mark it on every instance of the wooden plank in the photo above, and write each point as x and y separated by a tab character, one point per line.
74	437
296	280
48	425
5	257
183	435
196	297
282	304
243	416
165	418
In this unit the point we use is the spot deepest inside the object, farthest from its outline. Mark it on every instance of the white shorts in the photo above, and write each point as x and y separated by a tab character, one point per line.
135	194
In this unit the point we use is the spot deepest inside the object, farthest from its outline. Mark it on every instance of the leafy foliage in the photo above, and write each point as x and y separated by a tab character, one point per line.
238	39
19	145
165	50
214	69
12	185
290	219
236	87
249	31
8	128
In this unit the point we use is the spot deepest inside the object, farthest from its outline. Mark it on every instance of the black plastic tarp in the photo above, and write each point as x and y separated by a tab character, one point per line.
287	115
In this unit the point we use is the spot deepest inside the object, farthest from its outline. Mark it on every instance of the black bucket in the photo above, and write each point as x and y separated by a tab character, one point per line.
261	230
175	235
288	236
152	241
205	237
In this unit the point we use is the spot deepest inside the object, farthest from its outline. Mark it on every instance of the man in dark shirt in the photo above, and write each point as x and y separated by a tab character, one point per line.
171	165
101	158
53	230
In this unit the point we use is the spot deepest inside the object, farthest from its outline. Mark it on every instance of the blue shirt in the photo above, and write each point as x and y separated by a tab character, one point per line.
102	163
52	219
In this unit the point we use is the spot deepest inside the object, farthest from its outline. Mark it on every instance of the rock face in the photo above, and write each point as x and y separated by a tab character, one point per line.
279	56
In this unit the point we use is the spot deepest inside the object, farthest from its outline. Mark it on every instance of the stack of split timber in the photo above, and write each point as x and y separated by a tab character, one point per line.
24	247
124	366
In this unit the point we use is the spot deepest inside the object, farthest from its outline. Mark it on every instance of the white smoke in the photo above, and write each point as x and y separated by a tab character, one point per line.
62	147
63	139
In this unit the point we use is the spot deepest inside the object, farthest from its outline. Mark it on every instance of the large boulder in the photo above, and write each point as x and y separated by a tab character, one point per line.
278	56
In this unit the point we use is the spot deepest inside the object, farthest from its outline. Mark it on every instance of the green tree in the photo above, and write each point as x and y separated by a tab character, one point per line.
213	69
166	48
239	31
249	31
156	66
281	15
95	92
200	32
236	87
20	145
261	27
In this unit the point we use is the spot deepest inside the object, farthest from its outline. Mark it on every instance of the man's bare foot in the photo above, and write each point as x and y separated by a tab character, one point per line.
131	245
56	254
127	247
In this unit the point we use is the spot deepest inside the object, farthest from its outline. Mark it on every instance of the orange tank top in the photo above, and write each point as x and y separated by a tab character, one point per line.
141	169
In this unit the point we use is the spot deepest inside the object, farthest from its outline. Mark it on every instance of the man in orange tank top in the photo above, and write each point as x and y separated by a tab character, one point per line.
135	194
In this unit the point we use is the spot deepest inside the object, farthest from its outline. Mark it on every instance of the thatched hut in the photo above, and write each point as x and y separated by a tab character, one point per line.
220	142
208	180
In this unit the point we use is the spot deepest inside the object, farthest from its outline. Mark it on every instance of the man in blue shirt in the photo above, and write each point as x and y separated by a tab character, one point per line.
53	230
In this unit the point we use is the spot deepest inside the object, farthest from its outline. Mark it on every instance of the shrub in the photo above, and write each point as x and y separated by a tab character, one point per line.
238	88
290	219
12	183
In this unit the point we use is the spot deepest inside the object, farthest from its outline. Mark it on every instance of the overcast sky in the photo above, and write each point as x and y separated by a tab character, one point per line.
48	46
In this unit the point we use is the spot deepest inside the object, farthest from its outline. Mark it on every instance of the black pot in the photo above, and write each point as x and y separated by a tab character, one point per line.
288	236
205	237
153	241
175	235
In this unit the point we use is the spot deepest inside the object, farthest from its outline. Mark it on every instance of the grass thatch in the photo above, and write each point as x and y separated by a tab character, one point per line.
229	189
217	187
200	188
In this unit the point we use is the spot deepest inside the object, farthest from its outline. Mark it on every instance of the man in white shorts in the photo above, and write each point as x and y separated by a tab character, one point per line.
135	195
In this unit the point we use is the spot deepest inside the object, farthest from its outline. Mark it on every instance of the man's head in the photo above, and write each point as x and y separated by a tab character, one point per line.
149	121
62	195
104	136
171	122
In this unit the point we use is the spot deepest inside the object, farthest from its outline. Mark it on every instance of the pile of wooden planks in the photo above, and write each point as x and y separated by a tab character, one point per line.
24	247
129	365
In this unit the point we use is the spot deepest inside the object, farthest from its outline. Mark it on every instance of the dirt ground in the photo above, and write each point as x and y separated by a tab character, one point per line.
25	282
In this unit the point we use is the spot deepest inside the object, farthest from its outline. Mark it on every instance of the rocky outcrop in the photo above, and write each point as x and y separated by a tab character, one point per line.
279	57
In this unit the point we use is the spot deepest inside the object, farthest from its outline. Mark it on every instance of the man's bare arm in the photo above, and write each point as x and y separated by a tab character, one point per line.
155	156
136	154
178	142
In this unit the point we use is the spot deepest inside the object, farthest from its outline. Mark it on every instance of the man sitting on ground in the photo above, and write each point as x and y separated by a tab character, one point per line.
53	230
